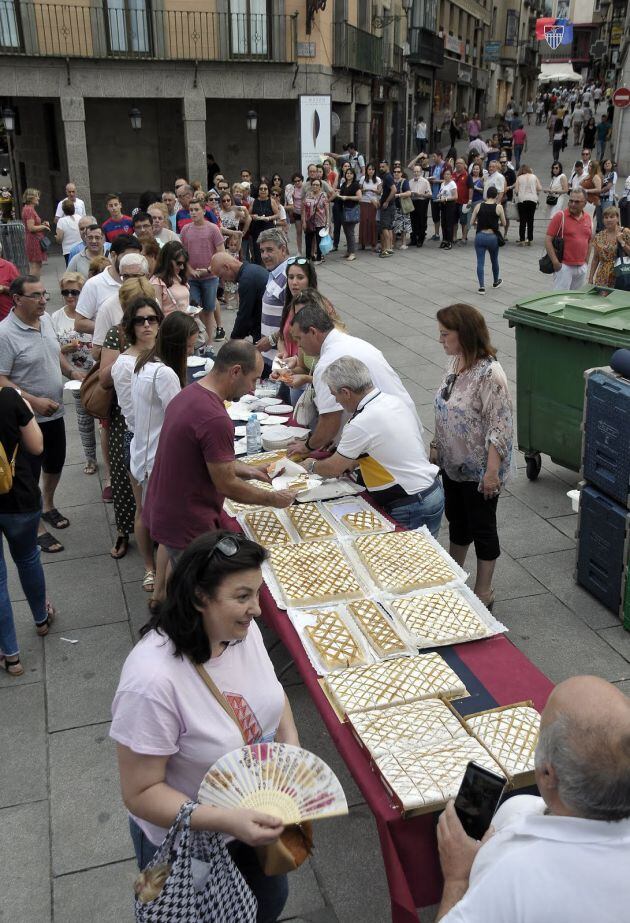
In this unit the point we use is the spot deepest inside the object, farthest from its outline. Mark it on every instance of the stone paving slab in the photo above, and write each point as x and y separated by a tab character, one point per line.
23	731
88	820
103	894
31	650
86	597
25	851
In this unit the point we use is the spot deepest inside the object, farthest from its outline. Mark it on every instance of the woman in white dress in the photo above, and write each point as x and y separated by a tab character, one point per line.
558	189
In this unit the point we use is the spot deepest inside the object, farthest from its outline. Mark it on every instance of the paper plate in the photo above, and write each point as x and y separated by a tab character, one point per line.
72	386
195	361
242	413
240	430
280	409
273	421
240	447
265	402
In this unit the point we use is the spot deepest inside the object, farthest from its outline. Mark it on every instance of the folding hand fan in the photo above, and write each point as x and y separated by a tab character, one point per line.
278	779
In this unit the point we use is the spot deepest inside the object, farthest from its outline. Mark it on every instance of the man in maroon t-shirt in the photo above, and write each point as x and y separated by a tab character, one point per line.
195	468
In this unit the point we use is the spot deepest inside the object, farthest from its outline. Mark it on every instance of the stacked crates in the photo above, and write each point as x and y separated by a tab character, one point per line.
604	521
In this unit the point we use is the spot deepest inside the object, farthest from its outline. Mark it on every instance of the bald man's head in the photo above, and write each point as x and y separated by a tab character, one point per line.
583	753
225	266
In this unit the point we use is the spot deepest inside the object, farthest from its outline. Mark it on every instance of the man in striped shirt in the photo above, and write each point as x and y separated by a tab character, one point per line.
274	253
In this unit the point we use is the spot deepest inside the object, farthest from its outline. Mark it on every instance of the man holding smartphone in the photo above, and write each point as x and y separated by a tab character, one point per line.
563	856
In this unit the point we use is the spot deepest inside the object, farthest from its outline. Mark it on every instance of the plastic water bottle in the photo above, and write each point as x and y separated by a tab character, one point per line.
254	438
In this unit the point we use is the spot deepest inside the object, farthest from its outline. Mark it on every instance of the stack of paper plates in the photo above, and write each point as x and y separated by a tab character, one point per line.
278	437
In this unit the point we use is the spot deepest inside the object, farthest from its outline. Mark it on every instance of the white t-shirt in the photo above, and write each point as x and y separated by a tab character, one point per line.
79	208
109	313
421	131
448	191
122	371
163	708
526	187
69	224
385	435
152	390
338	344
95	292
495	179
541	868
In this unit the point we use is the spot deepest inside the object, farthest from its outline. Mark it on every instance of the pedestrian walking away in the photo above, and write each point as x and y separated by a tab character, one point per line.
487	218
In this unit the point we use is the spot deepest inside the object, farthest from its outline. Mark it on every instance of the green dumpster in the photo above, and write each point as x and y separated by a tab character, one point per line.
558	337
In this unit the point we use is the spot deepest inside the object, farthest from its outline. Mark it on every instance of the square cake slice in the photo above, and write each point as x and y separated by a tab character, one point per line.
309	522
510	734
377	628
333	641
403	561
406	727
267	528
312	573
442	617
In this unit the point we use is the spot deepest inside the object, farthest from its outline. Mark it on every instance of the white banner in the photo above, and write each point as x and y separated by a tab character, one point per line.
315	141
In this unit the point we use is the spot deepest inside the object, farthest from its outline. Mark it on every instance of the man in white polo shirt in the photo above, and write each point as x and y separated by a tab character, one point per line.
315	332
383	438
564	856
99	288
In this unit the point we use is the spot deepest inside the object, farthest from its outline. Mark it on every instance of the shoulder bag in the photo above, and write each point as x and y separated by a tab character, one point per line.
351	213
7	468
621	269
295	844
544	263
166	889
44	243
305	409
96	399
406	205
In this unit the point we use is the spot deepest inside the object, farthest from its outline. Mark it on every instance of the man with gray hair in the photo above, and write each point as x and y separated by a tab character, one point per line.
274	254
563	856
383	439
315	332
130	266
575	226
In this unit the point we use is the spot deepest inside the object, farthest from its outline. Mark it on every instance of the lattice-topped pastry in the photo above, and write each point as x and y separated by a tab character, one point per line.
510	734
334	643
394	682
313	572
235	506
418	724
423	777
267	528
263	458
298	484
443	617
377	628
309	522
401	561
362	521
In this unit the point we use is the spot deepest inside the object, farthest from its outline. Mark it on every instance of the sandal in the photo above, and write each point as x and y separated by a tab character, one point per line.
12	667
148	581
121	547
90	466
48	542
42	628
55	519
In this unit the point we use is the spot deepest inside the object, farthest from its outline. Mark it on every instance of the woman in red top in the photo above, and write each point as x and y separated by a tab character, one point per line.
35	230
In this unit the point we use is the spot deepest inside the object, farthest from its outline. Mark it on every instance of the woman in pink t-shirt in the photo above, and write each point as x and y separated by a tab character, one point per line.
170	728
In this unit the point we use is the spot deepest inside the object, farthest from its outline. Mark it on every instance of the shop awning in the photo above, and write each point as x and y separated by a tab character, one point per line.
558	72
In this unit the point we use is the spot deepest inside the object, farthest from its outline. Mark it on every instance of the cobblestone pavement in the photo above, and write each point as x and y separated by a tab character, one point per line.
66	852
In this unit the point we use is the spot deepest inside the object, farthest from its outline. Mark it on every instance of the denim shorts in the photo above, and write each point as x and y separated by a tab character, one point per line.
417	511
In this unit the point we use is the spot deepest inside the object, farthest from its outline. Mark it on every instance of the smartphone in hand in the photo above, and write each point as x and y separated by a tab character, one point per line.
478	798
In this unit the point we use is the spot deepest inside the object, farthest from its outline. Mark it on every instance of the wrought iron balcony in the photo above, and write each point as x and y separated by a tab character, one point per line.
358	50
116	30
425	47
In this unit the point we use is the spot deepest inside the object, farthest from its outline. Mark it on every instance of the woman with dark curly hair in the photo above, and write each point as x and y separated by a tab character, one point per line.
169	726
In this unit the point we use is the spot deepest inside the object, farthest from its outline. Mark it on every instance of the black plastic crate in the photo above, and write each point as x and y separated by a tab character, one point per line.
606	443
602	551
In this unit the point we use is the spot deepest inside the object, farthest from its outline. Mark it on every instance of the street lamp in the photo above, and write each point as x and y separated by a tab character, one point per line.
136	118
252	125
8	117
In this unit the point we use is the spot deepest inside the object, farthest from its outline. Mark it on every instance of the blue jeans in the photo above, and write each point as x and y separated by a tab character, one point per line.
20	531
204	292
271	892
487	242
417	511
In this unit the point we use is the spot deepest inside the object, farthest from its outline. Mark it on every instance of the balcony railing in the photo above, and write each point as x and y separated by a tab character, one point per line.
124	29
395	60
425	47
358	50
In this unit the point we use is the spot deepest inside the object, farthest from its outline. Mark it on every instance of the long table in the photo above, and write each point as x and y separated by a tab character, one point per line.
494	672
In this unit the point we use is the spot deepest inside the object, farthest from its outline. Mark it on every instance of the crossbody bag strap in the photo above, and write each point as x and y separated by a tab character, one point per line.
146	450
223	702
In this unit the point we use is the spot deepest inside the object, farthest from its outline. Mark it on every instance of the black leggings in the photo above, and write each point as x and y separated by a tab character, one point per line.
449	220
309	236
526	220
471	518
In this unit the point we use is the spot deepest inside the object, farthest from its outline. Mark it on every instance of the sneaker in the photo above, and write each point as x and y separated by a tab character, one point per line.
481	291
219	334
384	255
435	237
529	243
497	283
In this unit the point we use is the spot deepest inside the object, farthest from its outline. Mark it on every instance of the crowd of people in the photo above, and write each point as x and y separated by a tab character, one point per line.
140	294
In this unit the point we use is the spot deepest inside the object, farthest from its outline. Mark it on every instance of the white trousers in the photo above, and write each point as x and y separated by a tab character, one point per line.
570	277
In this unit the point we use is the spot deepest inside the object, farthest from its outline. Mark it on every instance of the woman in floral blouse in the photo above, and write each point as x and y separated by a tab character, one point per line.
607	246
473	439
